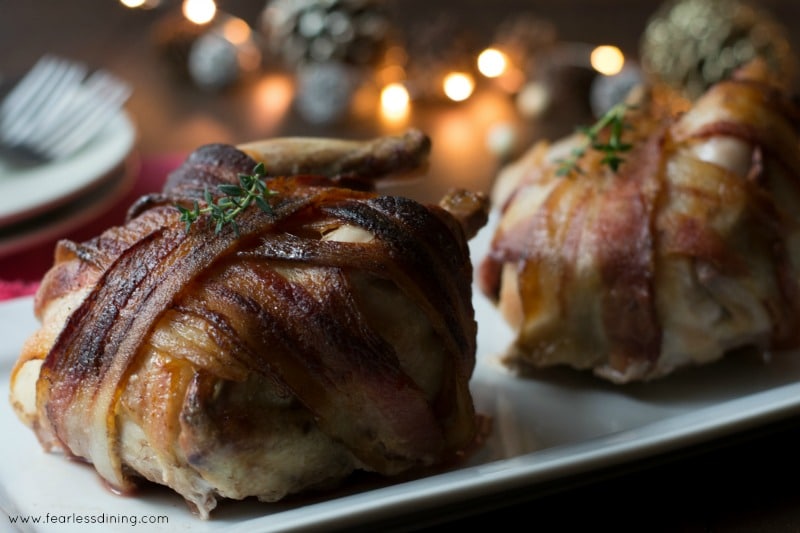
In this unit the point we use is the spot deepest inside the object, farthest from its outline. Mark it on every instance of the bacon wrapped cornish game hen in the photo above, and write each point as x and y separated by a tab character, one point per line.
229	350
657	239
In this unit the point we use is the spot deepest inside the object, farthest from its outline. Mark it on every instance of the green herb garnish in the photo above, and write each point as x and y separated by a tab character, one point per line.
235	199
613	120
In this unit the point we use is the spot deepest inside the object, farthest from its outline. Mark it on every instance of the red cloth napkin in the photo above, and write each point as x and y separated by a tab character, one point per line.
20	272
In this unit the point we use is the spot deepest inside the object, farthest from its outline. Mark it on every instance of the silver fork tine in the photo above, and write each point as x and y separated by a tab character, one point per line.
71	108
46	78
54	110
84	133
58	79
63	115
44	116
63	86
102	97
26	88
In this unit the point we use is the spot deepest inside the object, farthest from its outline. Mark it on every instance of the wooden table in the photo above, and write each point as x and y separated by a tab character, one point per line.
747	483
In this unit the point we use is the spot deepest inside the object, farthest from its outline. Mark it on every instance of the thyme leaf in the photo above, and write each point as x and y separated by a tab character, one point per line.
613	121
233	200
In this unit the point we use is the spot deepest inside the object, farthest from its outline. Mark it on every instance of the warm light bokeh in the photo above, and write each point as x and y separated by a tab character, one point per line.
236	31
199	11
270	101
492	63
140	4
607	60
395	101
458	86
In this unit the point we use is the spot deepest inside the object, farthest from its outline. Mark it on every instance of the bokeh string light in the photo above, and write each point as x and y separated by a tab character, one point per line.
492	63
395	102
607	60
458	86
449	70
199	11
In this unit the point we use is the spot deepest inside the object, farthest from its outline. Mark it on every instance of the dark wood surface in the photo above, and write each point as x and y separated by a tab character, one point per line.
747	483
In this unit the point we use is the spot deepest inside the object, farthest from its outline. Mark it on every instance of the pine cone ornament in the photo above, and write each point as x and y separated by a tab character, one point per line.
353	32
688	45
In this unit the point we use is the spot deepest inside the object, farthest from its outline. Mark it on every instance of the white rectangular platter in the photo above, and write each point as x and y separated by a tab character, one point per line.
558	425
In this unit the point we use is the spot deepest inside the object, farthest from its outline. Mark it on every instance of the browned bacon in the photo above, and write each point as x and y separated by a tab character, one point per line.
335	333
691	249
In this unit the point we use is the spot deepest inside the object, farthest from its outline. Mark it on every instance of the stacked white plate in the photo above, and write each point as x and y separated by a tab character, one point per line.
38	203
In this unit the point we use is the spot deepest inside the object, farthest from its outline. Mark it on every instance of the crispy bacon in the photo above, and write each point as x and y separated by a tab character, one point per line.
690	250
359	349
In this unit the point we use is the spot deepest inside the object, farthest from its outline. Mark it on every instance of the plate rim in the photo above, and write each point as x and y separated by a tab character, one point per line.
65	217
666	434
89	166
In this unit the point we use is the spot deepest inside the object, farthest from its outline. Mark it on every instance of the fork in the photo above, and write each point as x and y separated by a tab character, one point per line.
55	109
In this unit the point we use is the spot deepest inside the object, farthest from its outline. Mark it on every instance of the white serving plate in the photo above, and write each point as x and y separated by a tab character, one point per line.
556	426
29	191
62	219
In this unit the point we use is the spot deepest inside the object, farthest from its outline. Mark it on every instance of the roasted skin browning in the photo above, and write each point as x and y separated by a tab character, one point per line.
688	251
333	333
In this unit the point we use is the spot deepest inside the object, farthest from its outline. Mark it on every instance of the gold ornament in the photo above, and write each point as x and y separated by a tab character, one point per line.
689	45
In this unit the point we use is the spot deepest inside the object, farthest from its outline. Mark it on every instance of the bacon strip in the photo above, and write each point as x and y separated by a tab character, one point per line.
690	250
303	330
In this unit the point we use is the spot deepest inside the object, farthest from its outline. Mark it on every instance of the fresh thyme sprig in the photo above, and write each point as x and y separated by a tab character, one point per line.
614	120
237	198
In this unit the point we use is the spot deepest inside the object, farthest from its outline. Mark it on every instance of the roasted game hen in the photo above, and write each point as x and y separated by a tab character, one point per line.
331	332
688	250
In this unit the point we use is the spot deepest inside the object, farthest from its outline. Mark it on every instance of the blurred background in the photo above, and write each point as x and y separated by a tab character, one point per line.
240	70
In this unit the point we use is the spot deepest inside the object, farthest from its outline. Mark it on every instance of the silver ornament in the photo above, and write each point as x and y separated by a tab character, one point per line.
325	91
213	62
